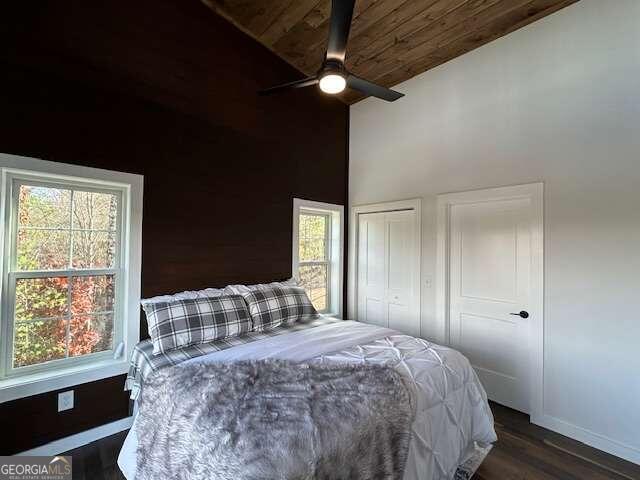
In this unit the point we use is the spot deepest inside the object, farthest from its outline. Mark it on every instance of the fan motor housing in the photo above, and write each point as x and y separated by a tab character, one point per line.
332	67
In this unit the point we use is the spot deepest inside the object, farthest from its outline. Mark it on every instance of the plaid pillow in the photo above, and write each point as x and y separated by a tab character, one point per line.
275	306
242	289
180	323
187	295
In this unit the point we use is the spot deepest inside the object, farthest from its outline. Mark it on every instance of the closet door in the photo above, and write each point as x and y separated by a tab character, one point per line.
387	259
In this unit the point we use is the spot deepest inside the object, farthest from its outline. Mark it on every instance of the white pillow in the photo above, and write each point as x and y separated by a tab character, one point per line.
243	289
187	295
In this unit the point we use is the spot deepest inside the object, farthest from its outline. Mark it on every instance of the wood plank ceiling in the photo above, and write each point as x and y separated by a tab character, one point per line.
391	40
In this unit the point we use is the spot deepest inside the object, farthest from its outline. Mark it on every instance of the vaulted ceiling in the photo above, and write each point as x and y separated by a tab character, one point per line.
391	40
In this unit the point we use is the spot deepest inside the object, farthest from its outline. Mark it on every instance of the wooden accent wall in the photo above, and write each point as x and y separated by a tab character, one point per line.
166	89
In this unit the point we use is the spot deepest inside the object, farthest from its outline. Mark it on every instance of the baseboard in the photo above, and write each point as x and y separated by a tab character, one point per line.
595	440
79	439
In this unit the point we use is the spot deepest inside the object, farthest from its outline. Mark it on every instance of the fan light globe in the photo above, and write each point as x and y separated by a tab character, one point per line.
332	83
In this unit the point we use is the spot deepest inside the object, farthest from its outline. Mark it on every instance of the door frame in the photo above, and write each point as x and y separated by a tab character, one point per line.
414	204
534	192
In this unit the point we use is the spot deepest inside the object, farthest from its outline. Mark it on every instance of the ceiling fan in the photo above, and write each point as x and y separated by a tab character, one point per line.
333	77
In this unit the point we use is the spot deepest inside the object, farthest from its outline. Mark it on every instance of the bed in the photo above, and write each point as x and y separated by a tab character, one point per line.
452	424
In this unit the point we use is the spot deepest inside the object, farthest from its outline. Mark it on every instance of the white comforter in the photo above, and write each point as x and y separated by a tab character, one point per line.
451	406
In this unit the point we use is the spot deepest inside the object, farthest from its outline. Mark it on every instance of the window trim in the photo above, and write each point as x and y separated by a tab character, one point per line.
101	364
335	248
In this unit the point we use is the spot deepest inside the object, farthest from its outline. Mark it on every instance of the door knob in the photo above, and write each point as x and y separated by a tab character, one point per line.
522	314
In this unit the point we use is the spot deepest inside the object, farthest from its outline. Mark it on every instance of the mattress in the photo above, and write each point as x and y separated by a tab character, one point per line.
144	362
452	413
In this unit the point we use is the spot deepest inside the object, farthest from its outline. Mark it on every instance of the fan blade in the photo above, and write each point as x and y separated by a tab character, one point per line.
341	15
368	88
305	82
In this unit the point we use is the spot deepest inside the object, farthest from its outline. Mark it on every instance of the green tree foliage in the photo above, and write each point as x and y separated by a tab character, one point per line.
312	248
55	316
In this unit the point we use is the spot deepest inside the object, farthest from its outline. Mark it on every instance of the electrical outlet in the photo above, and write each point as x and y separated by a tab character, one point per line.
65	401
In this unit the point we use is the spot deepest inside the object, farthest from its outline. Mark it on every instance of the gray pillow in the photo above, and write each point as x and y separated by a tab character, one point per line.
180	323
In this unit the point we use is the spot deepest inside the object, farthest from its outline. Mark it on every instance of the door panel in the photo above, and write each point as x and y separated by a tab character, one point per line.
401	259
401	319
375	254
371	289
488	245
488	343
490	264
400	245
374	312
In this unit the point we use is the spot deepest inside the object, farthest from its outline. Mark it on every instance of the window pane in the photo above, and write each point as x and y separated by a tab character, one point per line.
90	334
39	342
61	229
312	232
44	207
93	249
318	297
42	249
41	298
314	278
92	294
312	250
94	211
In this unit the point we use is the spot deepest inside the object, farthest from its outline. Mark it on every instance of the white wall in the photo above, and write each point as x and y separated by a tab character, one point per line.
557	101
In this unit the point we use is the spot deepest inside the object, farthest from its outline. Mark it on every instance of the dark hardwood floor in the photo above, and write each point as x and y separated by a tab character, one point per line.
523	452
527	452
98	460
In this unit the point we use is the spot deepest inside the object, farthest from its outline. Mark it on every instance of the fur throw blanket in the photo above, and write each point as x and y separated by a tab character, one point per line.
274	420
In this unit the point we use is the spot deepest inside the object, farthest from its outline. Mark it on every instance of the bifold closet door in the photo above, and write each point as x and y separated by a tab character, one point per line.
387	259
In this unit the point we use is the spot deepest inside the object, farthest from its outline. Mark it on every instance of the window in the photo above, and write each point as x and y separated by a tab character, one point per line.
68	273
317	253
314	267
63	272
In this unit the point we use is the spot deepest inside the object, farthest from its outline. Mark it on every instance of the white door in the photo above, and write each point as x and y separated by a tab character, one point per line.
490	285
387	263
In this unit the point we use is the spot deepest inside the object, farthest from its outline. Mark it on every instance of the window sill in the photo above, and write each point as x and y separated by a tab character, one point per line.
33	384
